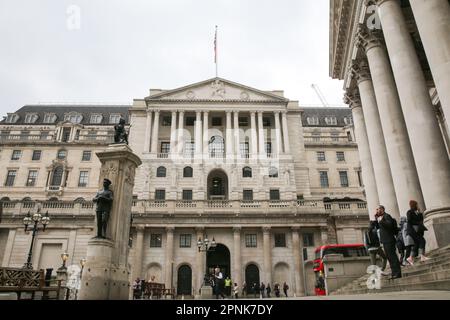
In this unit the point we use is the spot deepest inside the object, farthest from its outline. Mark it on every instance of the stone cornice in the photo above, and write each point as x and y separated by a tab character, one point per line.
215	101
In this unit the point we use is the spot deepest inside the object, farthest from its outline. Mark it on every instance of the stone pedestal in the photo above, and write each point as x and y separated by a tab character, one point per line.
106	273
438	225
206	292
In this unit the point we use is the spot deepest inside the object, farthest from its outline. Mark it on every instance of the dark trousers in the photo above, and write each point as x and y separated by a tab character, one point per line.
390	251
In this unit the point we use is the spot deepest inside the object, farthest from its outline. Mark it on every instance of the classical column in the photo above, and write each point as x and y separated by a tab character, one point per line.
237	266
433	21
430	155
229	135
148	130
278	148
237	149
287	146
205	132
155	134
138	251
261	139
368	175
198	134
298	263
169	257
200	260
173	133
381	166
267	252
181	132
254	138
403	168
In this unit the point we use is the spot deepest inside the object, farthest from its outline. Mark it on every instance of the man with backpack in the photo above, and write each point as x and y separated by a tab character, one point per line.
388	230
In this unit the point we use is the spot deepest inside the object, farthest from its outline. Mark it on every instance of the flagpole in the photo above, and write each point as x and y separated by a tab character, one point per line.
216	56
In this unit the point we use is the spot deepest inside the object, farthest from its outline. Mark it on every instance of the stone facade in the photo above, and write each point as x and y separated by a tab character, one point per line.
221	160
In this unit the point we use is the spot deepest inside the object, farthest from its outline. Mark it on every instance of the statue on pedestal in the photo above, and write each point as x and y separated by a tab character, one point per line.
120	135
104	199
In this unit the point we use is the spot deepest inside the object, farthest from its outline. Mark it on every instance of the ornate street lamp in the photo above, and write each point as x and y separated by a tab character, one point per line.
203	245
34	219
82	263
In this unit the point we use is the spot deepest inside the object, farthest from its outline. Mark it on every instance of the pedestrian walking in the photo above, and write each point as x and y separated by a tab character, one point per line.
276	289
416	229
262	290
228	286
218	277
373	245
244	289
236	291
268	290
285	289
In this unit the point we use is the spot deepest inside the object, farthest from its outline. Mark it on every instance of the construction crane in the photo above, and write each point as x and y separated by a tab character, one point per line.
320	95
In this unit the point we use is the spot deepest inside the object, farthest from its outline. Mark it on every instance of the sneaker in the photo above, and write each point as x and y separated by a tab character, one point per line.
384	273
423	258
410	261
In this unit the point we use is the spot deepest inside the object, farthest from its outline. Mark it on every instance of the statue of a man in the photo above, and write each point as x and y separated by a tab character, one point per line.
120	135
104	199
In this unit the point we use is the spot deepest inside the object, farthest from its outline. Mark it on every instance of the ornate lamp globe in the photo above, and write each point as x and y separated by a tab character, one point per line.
27	220
37	217
45	219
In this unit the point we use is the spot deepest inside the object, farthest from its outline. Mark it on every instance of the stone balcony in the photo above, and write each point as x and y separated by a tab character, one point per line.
328	140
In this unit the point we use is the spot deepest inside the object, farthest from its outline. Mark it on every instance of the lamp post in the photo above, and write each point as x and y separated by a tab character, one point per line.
82	263
203	245
34	219
62	273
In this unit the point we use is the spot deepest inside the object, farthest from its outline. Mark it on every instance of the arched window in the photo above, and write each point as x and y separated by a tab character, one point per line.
79	200
57	176
188	172
161	172
247	172
273	172
216	147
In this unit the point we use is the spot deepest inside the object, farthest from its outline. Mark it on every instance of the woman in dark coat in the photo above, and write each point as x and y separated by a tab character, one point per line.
416	229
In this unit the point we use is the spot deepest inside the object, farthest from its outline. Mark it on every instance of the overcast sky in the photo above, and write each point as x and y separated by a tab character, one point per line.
120	49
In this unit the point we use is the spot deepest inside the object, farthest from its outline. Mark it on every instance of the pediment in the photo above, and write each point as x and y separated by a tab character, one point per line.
216	89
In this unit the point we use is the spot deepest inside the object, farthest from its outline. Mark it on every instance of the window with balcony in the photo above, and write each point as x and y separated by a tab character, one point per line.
189	149
216	147
165	147
344	178
57	176
36	155
187	195
83	179
308	239
188	172
324	179
161	172
247	172
160	194
31	117
155	240
10	177
321	156
340	155
274	195
185	240
280	240
86	155
16	155
247	195
250	240
32	177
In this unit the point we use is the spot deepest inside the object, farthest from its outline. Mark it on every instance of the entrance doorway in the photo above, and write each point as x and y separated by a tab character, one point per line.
184	284
220	257
251	277
217	185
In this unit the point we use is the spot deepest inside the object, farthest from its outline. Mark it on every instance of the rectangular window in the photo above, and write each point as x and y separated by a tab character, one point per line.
16	155
160	194
166	121
86	156
274	195
250	241
324	179
32	177
321	156
243	121
280	240
267	122
269	147
62	154
190	121
155	240
83	180
216	121
96	118
36	155
185	240
10	178
187	195
340	156
165	147
245	151
189	149
360	180
247	195
114	118
344	178
308	239
66	134
349	136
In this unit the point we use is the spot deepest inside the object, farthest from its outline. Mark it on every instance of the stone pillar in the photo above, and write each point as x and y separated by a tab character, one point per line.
298	263
169	257
261	139
155	134
403	168
181	133
173	134
200	262
148	130
368	175
205	133
198	134
278	149
433	21
430	155
237	265
106	273
324	235
254	138
287	146
381	166
229	135
267	250
237	145
139	246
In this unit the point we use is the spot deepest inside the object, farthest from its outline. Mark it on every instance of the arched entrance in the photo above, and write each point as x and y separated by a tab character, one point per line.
251	277
220	257
217	185
184	283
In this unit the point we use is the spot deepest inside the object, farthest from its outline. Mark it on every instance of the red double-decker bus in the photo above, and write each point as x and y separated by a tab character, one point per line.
347	250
